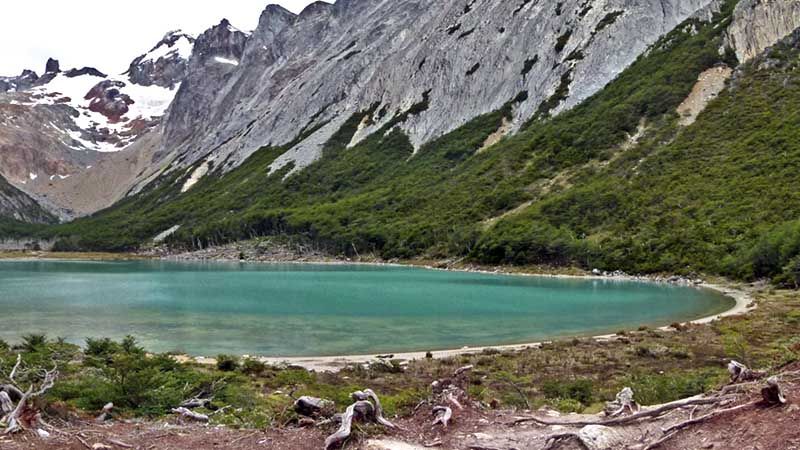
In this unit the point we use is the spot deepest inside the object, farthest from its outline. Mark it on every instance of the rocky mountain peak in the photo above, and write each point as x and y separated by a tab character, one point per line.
165	65
222	43
274	18
52	66
315	9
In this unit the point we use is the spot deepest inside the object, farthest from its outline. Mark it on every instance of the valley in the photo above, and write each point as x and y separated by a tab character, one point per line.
201	240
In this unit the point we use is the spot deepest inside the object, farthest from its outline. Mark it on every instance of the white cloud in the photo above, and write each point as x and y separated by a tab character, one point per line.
109	34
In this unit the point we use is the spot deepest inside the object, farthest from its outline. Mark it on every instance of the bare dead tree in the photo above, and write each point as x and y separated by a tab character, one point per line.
22	416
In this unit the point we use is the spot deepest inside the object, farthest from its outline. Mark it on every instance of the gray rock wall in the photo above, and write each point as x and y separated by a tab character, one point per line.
470	56
758	24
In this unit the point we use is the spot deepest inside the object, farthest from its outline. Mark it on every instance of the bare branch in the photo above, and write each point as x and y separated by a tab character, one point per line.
14	370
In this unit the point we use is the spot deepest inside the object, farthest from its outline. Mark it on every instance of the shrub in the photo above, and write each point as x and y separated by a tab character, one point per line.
651	389
227	363
577	390
252	366
568	405
33	342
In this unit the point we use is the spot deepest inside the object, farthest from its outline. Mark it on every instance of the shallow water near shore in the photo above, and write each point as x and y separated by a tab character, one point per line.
320	310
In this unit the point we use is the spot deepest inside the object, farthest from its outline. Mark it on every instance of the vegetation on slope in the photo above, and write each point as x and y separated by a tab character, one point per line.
564	191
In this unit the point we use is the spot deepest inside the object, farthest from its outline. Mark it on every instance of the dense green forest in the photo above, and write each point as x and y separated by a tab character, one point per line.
717	196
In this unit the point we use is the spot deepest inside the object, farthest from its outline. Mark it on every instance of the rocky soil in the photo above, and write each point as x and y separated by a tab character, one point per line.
754	424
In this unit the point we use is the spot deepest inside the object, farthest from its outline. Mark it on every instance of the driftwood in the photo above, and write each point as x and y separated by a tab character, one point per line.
624	401
739	372
443	415
463	370
21	416
6	405
119	443
13	392
645	413
196	403
360	409
772	393
367	408
105	413
371	395
189	414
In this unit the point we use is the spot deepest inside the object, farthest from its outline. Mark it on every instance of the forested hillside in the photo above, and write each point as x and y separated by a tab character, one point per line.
615	183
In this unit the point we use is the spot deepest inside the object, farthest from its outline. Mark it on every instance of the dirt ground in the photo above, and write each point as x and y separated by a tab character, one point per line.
473	428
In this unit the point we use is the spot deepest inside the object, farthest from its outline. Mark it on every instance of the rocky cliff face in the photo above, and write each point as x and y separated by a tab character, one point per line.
457	59
216	57
758	24
17	205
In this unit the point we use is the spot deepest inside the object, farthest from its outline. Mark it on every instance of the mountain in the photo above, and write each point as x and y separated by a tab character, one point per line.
65	123
645	136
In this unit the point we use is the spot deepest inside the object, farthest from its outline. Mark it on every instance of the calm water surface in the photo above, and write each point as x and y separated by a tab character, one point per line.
304	310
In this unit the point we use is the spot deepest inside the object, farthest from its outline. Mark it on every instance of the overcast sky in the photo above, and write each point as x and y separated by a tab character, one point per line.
109	34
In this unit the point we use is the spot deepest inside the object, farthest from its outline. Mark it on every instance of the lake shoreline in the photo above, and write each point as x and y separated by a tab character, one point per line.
744	302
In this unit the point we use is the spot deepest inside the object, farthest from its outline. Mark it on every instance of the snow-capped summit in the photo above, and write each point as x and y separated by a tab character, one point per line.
165	64
66	121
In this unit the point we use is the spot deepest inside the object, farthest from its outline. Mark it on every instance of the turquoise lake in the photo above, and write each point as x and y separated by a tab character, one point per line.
319	310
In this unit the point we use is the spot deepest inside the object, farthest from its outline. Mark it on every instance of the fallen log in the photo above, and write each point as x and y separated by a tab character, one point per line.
443	415
189	414
709	416
645	413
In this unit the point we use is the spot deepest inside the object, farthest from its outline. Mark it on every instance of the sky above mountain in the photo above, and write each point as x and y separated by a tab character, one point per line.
109	34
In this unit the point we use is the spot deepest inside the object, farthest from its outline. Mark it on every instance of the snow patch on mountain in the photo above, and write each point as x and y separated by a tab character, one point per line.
180	47
149	103
222	60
